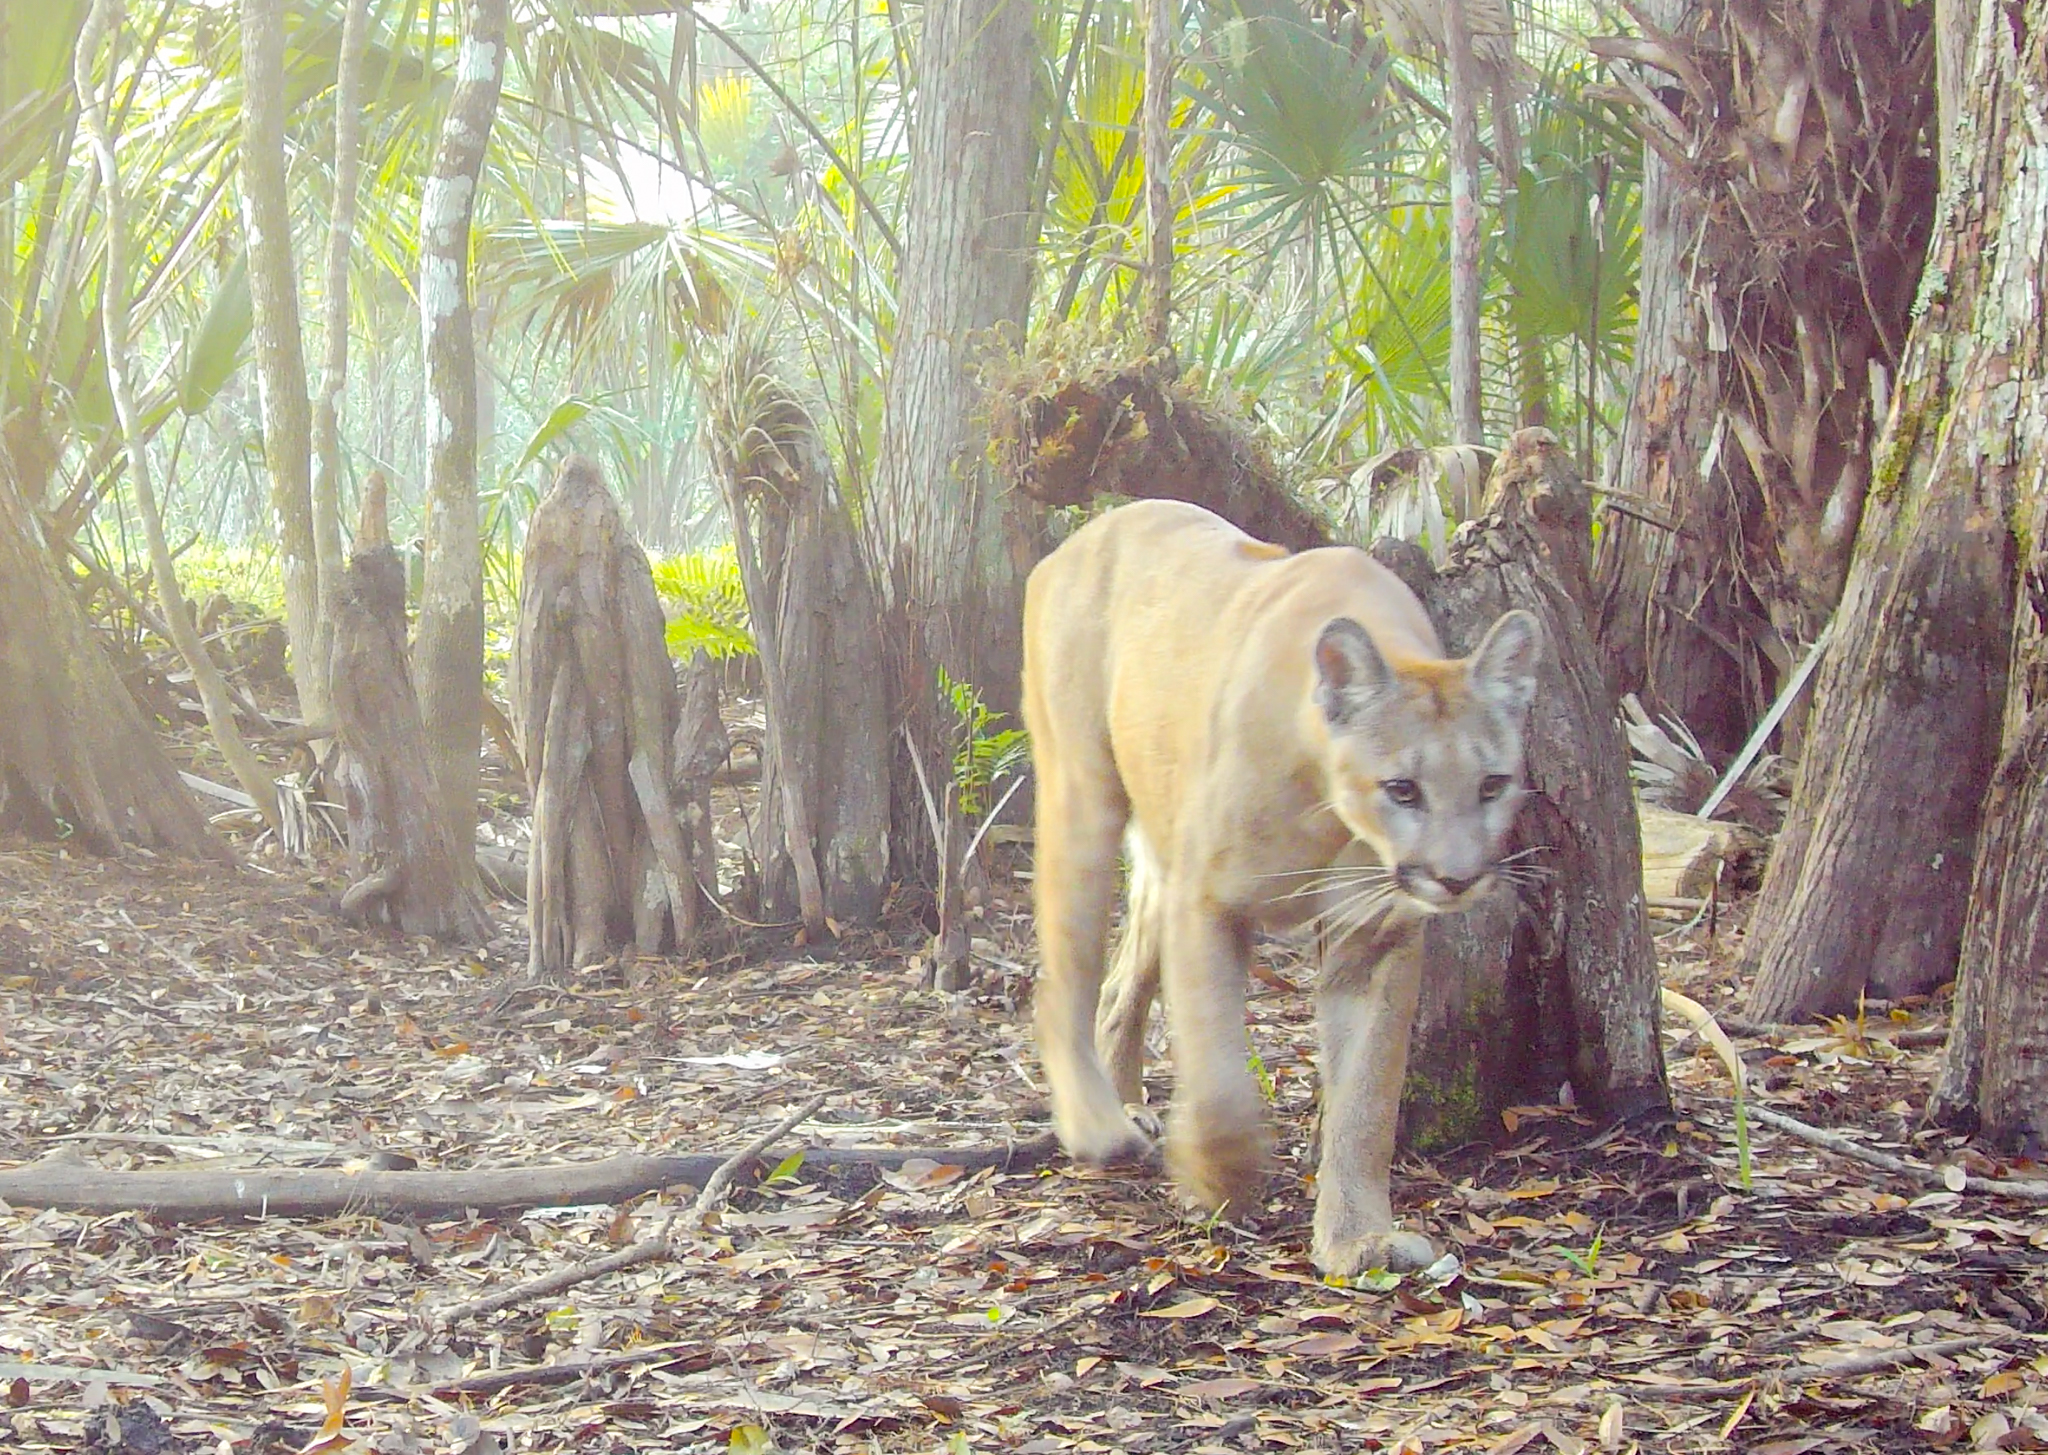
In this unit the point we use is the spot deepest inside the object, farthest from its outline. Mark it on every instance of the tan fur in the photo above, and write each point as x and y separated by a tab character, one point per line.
1210	703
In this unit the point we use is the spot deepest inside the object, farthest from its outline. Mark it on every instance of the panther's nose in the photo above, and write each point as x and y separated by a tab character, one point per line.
1455	887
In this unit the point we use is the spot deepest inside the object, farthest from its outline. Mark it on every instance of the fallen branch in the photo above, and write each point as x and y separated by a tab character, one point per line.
172	1197
647	1250
1918	1172
571	1371
1877	1360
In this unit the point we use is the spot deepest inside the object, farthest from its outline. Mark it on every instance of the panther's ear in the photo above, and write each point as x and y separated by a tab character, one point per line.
1350	672
1504	668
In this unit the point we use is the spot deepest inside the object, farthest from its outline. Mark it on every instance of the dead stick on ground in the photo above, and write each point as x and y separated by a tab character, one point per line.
647	1250
1881	1359
1918	1172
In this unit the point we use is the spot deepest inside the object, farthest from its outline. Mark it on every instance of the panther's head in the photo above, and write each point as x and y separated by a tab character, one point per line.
1424	762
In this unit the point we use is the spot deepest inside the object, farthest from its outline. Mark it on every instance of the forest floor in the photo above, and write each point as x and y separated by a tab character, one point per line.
1612	1292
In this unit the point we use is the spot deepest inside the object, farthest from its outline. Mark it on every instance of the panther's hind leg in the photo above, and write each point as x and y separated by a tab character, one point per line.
1133	973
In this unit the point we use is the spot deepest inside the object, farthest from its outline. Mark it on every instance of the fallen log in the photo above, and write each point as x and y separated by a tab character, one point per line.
185	1196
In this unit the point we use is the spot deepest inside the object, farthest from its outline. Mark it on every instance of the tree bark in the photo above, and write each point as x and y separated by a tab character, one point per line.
593	693
405	870
341	224
448	652
951	548
824	777
1461	83
1870	882
74	749
1557	979
1653	575
1995	1077
280	355
115	328
1785	220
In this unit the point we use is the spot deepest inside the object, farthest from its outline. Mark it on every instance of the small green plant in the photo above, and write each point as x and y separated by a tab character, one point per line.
706	604
1264	1077
1588	1262
988	754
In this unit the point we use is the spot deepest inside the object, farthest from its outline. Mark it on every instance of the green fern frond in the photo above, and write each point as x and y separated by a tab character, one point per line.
706	604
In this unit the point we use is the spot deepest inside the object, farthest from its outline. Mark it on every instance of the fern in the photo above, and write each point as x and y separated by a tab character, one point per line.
705	603
989	754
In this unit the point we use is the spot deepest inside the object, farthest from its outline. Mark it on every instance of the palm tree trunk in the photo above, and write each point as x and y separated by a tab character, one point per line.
114	304
448	650
1161	18
348	156
1462	82
280	356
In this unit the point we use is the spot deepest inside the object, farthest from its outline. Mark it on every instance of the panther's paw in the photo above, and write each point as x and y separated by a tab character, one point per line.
1395	1251
1106	1141
1220	1170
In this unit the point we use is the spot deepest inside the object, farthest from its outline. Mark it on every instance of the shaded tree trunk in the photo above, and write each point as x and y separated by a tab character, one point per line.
1786	212
405	871
1654	577
1556	980
280	355
348	157
951	548
1870	881
115	330
73	747
448	652
593	693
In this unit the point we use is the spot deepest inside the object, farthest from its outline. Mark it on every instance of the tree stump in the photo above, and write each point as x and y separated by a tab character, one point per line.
404	870
1556	980
593	697
824	826
699	750
73	746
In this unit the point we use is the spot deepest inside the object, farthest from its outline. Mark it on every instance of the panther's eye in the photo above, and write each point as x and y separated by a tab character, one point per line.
1404	791
1493	785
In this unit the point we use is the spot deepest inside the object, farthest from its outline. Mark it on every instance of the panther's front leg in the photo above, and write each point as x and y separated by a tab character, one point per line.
1365	1008
1217	1139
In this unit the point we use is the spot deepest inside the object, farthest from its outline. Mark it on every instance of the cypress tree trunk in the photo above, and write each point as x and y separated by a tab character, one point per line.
448	650
73	747
280	356
1995	1079
1870	881
952	547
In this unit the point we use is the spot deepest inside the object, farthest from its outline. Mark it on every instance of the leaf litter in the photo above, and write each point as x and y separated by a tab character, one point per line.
1608	1289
